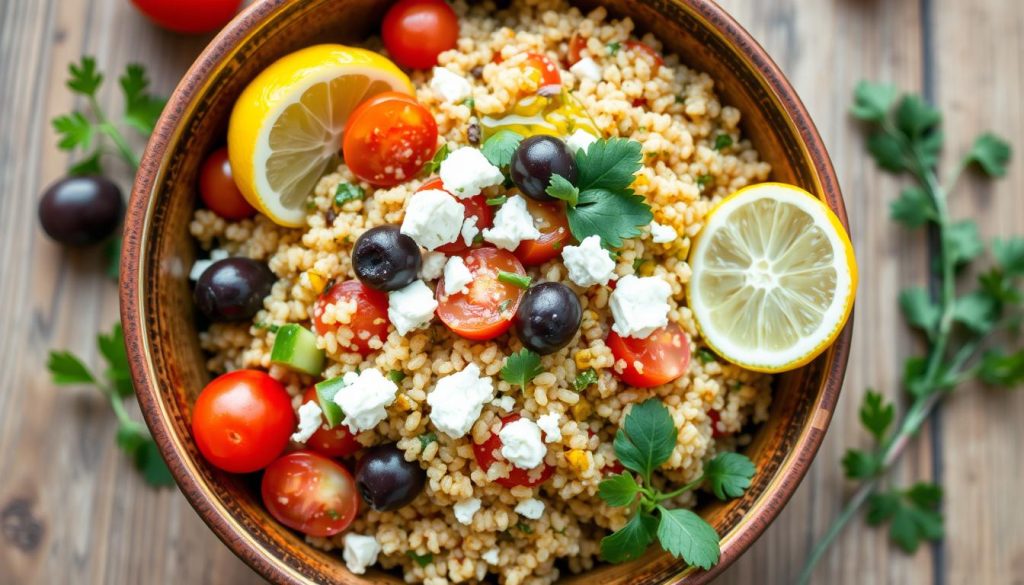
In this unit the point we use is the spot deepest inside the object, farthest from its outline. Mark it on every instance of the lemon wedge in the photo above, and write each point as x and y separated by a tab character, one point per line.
774	277
287	125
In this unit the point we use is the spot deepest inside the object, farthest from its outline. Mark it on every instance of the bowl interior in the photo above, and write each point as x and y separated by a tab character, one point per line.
156	298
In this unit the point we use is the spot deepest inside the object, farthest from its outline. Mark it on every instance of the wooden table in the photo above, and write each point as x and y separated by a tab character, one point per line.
73	510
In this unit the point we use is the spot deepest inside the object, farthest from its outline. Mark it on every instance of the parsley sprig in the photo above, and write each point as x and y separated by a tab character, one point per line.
646	441
521	367
116	385
961	330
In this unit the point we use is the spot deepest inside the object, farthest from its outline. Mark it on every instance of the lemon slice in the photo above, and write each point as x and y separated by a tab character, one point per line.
287	125
773	277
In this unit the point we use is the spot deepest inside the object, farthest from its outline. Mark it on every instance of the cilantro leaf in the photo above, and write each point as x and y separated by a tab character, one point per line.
887	151
925	494
498	149
83	77
964	242
913	376
913	208
686	535
859	464
435	163
647	437
912	522
521	367
872	101
619	490
608	165
977	311
1009	254
584	379
141	109
561	188
919	310
882	506
915	117
67	369
723	141
729	474
990	153
113	350
396	376
75	131
346	192
704	181
1001	369
630	541
611	216
89	165
421	560
876	415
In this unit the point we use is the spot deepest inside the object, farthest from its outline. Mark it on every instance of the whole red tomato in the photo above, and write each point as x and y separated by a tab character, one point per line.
189	16
415	32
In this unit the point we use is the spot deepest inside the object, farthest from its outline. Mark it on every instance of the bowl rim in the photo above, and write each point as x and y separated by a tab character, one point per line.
136	229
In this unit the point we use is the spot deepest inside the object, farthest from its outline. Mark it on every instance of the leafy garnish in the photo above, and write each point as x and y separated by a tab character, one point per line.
610	164
584	379
426	439
396	376
521	367
619	490
990	153
876	415
704	181
346	192
499	148
421	560
561	188
728	475
520	280
687	536
646	439
141	108
913	514
613	47
705	355
496	201
435	163
723	141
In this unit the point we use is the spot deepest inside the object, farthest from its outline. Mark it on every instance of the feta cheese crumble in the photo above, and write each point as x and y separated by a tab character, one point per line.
505	403
360	552
200	266
587	68
449	85
662	234
580	140
364	399
491	556
588	264
466	171
433	265
456	275
512	224
550	424
466	509
411	307
469	230
433	218
532	508
640	305
521	444
309	421
457	399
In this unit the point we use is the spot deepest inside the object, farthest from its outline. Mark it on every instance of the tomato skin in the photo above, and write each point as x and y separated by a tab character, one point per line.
576	45
638	47
554	234
664	355
548	71
337	442
478	314
714	416
370	318
474	206
218	190
389	138
489	451
189	16
310	493
415	32
243	420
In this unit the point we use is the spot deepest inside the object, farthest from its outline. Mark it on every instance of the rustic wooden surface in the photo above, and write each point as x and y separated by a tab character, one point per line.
72	509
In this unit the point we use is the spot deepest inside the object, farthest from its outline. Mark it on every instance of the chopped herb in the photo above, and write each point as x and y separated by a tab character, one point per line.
499	200
498	149
478	238
557	245
503	305
426	439
560	188
435	163
638	262
704	180
584	379
421	560
521	367
613	47
680	99
346	192
396	376
723	141
332	514
469	102
271	327
705	356
520	280
524	527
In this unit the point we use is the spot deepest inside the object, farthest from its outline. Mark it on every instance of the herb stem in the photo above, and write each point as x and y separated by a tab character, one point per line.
688	487
112	132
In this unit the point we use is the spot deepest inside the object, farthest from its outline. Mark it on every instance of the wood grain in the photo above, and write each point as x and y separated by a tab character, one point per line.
73	510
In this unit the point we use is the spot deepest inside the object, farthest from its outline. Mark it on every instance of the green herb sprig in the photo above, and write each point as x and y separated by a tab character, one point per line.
521	367
116	384
958	328
646	441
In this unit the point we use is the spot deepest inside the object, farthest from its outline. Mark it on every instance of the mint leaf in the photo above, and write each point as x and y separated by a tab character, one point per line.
919	310
619	490
647	437
964	242
613	216
686	535
521	367
346	192
630	541
66	369
914	208
1002	369
75	131
113	350
887	152
876	415
498	149
435	163
914	116
859	464
729	474
584	379
83	77
1009	254
872	101
977	311
609	165
561	188
990	153
141	109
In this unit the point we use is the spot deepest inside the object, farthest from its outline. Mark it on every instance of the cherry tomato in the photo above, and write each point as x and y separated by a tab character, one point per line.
415	32
576	45
487	310
546	69
189	16
663	356
554	233
370	319
389	138
310	493
714	416
336	442
242	420
475	206
489	451
218	190
638	47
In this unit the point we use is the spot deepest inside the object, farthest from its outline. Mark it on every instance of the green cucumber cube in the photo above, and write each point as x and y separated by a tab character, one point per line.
325	392
295	348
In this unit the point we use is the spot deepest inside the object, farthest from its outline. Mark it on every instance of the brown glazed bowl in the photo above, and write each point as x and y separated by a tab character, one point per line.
156	302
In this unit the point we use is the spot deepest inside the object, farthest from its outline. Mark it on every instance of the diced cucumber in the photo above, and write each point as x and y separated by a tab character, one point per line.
295	348
325	392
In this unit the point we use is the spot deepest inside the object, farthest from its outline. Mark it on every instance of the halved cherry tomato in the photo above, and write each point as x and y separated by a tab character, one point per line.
242	420
370	319
489	451
545	68
310	493
189	16
218	190
475	206
554	233
487	310
576	45
389	138
663	356
639	47
415	32
336	442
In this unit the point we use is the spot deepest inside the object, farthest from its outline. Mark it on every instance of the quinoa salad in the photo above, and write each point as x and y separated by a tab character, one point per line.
453	355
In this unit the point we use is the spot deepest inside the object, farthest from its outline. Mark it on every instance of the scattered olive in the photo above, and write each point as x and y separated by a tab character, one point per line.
80	211
386	480
233	289
386	259
548	317
535	160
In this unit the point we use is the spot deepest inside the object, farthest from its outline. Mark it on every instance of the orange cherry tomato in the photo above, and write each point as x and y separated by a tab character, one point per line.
475	206
553	225
336	442
487	309
663	356
546	70
218	190
415	32
489	451
370	319
389	138
310	493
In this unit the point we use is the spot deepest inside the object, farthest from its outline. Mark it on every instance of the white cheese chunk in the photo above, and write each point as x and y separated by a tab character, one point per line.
360	552
364	399
588	264
433	218
457	399
200	266
532	508
505	403
640	305
456	275
550	423
449	85
521	443
587	68
469	230
580	140
433	265
309	421
466	171
411	307
662	234
466	509
491	556
512	224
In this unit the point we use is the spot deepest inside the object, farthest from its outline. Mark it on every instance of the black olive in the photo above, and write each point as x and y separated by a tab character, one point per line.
548	317
386	259
386	480
80	211
535	160
233	289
